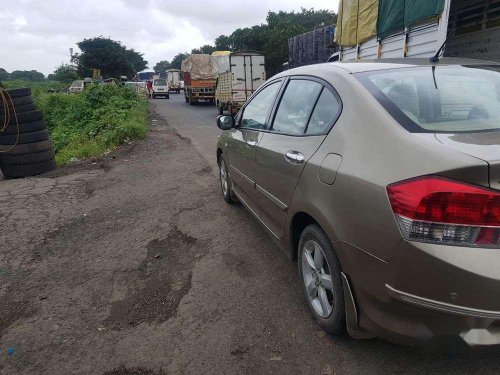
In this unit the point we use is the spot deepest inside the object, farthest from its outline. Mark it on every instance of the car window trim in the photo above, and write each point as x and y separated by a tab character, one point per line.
314	108
263	87
325	85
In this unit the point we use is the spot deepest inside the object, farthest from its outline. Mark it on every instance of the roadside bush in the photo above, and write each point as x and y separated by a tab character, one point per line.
90	123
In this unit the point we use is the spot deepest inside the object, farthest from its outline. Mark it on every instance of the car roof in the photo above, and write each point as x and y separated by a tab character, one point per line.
384	64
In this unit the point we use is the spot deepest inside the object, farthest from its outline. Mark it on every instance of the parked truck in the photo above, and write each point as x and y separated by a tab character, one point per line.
200	72
309	48
374	29
174	80
240	75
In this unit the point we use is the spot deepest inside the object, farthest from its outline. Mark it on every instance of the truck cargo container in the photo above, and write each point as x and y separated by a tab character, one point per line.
313	47
200	72
174	80
377	29
240	75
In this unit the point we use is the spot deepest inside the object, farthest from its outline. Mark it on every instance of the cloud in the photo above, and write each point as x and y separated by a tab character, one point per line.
38	34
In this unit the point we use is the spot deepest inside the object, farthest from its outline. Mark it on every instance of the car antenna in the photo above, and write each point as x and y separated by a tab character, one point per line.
435	59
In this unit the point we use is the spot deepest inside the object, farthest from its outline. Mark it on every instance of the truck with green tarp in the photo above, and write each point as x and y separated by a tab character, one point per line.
374	29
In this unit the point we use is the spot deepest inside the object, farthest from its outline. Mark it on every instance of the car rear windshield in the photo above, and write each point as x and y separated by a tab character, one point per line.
442	99
160	82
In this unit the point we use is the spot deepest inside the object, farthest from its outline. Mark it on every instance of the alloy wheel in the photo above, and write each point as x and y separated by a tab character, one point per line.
317	279
223	178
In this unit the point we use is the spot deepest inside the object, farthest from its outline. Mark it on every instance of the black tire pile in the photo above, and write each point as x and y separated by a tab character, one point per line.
33	153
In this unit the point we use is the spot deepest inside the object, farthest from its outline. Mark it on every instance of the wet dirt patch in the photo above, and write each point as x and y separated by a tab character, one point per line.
205	170
243	268
122	370
11	310
159	284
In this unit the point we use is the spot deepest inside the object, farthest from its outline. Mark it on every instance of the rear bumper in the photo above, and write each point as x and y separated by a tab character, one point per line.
429	294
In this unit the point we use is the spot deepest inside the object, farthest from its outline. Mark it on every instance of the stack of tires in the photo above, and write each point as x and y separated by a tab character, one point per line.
25	147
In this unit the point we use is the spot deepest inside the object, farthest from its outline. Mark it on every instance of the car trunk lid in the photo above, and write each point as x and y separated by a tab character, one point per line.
482	145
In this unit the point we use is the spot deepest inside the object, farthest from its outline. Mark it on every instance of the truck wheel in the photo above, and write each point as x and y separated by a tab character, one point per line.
168	96
191	101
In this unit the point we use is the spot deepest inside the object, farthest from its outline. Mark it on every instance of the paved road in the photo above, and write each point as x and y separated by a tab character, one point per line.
133	264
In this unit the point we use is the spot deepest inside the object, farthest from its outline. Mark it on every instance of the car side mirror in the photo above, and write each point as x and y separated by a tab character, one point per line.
225	122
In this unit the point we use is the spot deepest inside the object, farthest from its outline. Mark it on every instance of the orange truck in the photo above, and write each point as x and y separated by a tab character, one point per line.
200	74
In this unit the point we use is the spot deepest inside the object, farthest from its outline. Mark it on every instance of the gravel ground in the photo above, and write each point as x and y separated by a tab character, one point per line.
133	264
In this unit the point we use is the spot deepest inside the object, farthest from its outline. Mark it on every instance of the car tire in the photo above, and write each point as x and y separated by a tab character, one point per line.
29	148
37	157
23	117
27	170
19	109
21	100
23	138
24	127
321	276
226	183
16	93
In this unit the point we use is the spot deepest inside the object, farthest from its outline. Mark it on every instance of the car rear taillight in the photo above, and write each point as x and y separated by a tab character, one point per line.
444	211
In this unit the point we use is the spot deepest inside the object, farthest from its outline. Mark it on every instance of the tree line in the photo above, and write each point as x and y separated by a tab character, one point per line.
28	75
270	37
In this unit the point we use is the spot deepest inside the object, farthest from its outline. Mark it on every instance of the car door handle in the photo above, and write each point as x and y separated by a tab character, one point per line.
251	144
294	157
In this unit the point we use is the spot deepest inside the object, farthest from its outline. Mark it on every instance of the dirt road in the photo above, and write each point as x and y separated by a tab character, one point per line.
133	263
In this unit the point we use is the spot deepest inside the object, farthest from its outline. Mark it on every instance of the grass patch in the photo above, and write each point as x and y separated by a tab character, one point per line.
90	123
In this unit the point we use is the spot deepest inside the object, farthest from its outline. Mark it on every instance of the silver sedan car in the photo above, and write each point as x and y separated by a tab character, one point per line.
382	180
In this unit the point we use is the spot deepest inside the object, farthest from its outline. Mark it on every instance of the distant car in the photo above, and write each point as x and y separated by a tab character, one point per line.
160	88
76	87
131	85
382	180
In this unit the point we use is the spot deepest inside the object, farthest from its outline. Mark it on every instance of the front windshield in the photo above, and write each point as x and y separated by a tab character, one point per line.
446	99
160	82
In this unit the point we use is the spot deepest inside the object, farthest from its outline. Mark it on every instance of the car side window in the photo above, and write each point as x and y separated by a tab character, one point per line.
296	106
324	113
256	112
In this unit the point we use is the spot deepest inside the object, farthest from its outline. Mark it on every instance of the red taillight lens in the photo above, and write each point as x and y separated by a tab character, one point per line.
435	209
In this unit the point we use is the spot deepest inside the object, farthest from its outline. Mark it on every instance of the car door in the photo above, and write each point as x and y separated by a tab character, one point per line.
305	114
244	139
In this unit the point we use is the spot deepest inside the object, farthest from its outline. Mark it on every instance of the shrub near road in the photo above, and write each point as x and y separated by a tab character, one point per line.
88	124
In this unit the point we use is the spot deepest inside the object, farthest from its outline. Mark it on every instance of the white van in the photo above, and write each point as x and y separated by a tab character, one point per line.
160	88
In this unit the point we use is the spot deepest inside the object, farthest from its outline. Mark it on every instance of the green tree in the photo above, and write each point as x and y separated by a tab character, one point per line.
177	60
111	57
64	73
207	49
223	43
4	75
162	66
28	75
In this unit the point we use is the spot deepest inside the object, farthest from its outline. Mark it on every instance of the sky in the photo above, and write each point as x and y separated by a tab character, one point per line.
37	34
